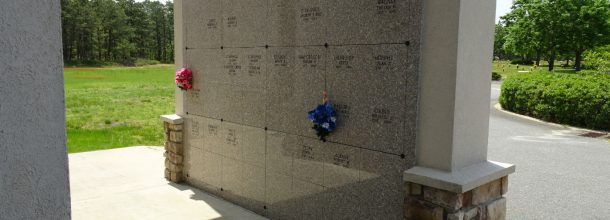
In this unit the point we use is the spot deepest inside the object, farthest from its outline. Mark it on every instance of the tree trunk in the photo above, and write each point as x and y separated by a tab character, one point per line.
578	60
163	41
65	42
72	43
552	62
109	45
158	38
537	58
99	42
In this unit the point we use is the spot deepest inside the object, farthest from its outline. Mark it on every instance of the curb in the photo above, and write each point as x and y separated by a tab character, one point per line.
580	131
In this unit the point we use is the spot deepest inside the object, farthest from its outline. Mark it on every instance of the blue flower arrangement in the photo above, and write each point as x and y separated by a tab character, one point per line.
324	119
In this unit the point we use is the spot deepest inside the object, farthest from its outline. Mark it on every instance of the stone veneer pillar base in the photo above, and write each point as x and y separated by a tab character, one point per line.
474	192
484	202
174	152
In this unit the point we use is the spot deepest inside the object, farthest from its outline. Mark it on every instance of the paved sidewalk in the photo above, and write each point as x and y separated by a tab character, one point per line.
560	175
128	183
563	175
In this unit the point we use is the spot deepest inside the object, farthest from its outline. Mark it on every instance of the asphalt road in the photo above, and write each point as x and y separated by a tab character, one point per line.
560	175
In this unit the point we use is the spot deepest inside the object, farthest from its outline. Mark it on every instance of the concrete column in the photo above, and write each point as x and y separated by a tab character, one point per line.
457	49
453	123
179	49
33	158
453	178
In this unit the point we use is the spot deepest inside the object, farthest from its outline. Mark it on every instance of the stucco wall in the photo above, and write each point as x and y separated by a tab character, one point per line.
33	159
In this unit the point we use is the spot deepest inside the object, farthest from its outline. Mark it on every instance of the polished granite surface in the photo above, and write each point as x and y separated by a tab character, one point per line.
283	175
261	65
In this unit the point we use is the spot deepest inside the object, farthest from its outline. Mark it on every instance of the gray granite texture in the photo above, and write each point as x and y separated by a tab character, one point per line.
261	65
34	180
282	175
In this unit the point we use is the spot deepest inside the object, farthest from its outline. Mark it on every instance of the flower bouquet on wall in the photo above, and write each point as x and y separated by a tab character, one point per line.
184	79
324	118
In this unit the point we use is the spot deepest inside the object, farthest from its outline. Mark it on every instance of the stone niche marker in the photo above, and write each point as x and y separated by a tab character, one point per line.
259	66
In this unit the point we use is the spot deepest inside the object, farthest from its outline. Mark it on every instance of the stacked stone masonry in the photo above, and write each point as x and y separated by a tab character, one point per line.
174	156
485	202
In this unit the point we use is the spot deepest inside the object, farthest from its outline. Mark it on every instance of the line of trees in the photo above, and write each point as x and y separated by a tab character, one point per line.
552	29
119	31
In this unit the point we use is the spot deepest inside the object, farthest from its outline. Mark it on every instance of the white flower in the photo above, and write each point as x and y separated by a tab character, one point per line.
333	119
326	125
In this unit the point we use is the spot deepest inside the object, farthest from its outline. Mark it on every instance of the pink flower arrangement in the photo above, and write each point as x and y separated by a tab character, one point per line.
184	79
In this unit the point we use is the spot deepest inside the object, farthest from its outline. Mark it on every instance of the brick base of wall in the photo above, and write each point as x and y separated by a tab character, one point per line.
173	152
485	202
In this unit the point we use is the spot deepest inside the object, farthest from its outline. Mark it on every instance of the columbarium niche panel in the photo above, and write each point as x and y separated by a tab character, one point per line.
260	66
204	26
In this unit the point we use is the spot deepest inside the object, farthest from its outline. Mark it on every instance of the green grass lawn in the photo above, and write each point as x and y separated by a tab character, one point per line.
117	107
506	69
120	106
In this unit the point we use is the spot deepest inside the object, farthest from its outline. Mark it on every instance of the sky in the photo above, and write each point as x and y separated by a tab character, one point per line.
502	7
167	0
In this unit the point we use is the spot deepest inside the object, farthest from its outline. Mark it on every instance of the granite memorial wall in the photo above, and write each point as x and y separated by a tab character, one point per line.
260	65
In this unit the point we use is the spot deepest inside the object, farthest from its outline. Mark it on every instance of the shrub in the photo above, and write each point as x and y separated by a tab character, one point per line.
495	76
128	61
145	62
88	63
521	62
575	99
598	59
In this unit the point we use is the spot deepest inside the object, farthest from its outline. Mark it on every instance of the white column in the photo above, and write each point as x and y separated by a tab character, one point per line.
457	50
34	182
179	49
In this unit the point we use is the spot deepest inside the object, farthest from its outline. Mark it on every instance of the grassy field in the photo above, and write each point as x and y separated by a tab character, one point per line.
120	106
117	107
506	69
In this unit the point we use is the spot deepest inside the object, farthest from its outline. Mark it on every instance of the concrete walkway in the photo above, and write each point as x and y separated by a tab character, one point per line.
128	183
560	175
